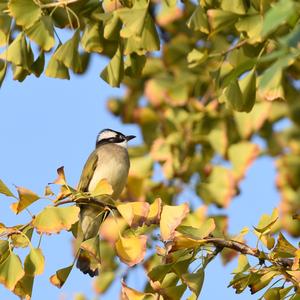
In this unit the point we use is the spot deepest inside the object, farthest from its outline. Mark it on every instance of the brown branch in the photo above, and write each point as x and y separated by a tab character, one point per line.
245	249
86	201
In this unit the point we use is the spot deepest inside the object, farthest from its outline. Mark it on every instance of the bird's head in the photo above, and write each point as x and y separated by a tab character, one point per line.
109	136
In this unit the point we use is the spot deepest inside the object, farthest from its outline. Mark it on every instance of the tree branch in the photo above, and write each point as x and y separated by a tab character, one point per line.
245	249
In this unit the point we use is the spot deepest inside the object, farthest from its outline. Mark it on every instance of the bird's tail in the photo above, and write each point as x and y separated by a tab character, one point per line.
90	221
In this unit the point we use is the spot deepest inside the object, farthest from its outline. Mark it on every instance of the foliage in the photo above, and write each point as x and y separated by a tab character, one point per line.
204	81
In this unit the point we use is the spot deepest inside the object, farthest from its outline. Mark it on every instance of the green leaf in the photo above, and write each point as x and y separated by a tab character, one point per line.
270	82
194	281
103	282
174	292
5	190
196	57
220	19
220	187
198	21
20	240
284	248
237	6
134	64
26	198
252	26
19	53
241	156
3	68
92	39
61	276
68	53
34	262
55	219
24	287
57	69
42	33
232	95
114	71
112	27
11	271
25	12
280	13
148	41
198	233
5	24
266	222
133	19
38	66
243	264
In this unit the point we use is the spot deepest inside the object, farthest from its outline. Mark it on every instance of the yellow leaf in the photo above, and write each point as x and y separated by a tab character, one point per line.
134	213
61	179
154	212
103	188
60	277
26	196
34	262
111	228
55	219
11	271
5	190
171	217
131	250
131	294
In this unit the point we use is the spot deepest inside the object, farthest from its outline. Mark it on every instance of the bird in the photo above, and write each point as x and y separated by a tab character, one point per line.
110	161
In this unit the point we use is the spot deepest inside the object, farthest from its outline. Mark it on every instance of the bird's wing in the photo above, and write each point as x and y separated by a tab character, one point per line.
87	172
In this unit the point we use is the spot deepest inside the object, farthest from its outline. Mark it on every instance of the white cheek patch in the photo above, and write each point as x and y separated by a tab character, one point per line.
123	144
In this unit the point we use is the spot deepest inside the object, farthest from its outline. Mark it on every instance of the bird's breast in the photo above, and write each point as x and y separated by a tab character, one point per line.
113	165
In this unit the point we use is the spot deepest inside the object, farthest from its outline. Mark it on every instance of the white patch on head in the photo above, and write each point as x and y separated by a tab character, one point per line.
106	135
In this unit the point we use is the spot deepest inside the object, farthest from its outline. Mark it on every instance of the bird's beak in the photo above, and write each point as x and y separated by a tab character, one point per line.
129	137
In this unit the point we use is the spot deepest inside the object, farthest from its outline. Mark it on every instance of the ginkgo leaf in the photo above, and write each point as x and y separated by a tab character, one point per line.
5	190
284	248
68	53
61	179
266	222
11	271
60	277
42	33
135	213
26	198
131	250
128	293
220	187
114	71
154	212
102	188
19	52
24	286
92	40
198	233
198	21
25	12
57	69
194	281
133	19
37	67
241	156
34	262
55	219
103	282
171	218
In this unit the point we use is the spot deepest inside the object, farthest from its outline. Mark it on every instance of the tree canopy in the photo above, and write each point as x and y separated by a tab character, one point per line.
204	81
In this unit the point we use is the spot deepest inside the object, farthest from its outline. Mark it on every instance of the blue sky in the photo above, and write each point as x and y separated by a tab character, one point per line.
46	123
